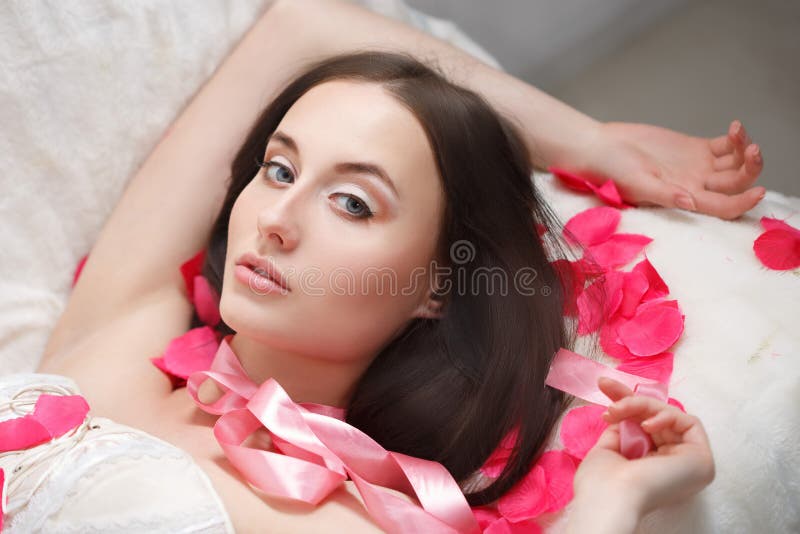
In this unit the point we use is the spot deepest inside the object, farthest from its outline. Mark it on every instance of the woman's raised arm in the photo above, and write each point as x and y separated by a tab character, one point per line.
166	212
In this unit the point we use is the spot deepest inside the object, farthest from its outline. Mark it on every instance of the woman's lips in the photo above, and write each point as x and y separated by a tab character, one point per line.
258	283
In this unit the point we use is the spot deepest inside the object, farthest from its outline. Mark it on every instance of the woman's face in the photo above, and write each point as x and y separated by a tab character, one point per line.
356	248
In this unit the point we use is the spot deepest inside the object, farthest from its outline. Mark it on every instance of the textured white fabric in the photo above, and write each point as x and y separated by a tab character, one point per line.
87	88
100	477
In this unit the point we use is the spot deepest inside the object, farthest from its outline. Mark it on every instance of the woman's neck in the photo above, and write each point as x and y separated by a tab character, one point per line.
304	378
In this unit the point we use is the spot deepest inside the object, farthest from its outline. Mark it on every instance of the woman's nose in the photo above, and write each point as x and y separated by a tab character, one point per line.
276	223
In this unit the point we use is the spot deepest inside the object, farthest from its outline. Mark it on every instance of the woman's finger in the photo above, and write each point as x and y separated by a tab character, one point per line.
640	407
613	389
735	180
728	207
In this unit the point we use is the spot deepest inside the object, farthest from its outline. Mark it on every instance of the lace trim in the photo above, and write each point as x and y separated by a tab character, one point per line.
61	486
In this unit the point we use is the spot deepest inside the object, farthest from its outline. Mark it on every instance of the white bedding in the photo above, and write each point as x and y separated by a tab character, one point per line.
87	88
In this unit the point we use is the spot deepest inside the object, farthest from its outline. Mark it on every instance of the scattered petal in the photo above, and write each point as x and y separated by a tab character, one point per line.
496	462
528	498
768	223
607	192
609	339
590	308
570	180
675	402
572	279
778	249
193	351
206	301
592	226
653	329
618	250
634	287
191	268
559	469
658	288
658	367
581	428
78	270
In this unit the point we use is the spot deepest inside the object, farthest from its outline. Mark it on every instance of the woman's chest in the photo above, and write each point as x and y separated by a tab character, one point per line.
191	429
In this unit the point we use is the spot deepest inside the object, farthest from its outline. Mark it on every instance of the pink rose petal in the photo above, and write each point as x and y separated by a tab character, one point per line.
206	301
652	330
609	339
191	268
634	287
572	279
78	270
778	249
590	308
527	499
559	469
609	194
658	367
658	288
570	180
618	250
581	429
592	226
675	402
193	351
768	223
496	462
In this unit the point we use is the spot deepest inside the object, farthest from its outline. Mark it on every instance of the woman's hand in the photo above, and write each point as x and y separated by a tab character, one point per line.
656	166
680	465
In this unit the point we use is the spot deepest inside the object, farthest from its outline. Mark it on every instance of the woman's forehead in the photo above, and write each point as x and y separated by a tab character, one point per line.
354	121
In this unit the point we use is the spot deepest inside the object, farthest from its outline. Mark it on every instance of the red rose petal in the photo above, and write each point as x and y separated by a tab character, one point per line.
590	308
572	279
581	429
609	194
618	250
592	226
658	288
528	498
573	181
609	339
559	469
634	287
768	223
658	367
78	270
652	330
191	352
504	526
2	485
778	249
496	462
191	268
206	301
675	402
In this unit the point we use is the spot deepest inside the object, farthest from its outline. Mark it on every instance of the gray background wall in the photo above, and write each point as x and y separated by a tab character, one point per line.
692	66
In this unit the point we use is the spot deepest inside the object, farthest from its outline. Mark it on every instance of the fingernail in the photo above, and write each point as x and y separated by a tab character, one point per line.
762	194
685	202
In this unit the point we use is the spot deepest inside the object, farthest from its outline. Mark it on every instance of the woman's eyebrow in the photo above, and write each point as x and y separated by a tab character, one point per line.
361	167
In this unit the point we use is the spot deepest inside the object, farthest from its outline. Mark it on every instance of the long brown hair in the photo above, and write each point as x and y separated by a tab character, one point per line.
450	389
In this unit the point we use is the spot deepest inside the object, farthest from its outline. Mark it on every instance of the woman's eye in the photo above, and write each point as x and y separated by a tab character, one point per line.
353	206
277	172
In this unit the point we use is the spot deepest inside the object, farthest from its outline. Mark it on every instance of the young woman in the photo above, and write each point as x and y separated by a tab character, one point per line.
437	375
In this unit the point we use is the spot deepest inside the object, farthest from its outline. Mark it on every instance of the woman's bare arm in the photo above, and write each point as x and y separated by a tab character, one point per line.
166	212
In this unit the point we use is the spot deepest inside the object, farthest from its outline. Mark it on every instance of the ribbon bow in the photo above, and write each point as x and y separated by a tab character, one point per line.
319	450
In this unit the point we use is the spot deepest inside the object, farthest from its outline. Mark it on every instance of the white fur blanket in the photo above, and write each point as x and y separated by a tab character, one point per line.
87	88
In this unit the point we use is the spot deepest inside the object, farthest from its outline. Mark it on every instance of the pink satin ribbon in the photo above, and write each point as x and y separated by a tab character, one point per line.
318	450
577	375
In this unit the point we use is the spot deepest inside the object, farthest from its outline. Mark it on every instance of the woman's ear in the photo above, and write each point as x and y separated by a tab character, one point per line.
431	308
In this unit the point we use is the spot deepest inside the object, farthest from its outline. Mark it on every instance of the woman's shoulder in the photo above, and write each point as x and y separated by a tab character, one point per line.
98	475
